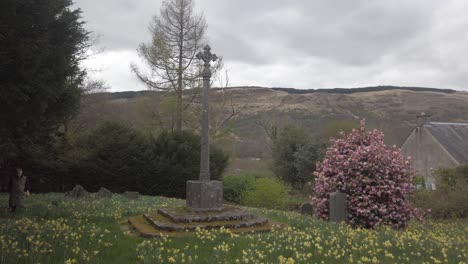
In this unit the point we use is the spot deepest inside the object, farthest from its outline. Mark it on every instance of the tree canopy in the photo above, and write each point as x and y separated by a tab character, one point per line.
294	154
177	36
41	46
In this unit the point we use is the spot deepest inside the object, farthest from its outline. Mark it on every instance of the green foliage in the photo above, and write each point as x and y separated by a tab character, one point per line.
268	193
288	141
120	159
236	185
418	181
450	198
178	160
295	155
449	178
41	45
305	159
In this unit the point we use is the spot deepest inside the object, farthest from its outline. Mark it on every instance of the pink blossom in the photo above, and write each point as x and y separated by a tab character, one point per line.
376	179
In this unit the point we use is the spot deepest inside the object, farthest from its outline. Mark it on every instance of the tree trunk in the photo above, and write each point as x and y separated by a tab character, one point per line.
179	107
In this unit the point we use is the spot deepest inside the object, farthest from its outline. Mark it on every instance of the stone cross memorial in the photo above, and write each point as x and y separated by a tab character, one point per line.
205	194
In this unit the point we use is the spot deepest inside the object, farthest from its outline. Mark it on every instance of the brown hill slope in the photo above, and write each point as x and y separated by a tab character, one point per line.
391	110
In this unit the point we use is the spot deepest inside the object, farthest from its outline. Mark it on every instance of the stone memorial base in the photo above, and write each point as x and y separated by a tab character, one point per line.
182	221
204	196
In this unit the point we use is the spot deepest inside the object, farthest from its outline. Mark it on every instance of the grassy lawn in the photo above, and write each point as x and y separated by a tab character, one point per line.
54	229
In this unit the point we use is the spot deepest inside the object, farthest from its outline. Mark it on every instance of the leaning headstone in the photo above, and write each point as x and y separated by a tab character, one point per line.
307	209
103	193
131	195
78	192
338	211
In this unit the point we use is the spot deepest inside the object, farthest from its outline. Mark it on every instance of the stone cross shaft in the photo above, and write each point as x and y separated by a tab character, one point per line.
207	57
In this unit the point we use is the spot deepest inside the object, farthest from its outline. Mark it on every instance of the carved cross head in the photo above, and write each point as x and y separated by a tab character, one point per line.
207	56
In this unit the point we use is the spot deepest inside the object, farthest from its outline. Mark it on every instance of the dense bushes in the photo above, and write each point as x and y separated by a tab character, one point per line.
294	155
177	160
267	193
450	200
376	180
120	158
256	191
236	185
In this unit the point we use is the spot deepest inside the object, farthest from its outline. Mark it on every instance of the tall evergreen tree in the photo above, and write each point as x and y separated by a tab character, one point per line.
41	45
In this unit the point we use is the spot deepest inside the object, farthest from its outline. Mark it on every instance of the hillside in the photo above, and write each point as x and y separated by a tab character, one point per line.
391	109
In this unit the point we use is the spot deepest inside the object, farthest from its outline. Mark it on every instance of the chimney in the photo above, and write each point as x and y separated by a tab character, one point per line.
423	119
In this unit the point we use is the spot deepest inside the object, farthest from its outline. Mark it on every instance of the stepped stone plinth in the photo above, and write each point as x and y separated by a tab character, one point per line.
180	215
182	221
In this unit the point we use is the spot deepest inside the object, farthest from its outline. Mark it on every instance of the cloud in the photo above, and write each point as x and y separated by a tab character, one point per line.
113	67
303	44
121	24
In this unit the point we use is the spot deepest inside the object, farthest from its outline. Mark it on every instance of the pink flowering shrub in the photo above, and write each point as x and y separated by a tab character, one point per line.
375	178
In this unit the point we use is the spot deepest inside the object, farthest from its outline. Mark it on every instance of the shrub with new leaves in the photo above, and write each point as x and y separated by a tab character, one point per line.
376	179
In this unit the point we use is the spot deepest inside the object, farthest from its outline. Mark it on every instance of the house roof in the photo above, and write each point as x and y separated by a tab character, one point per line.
453	137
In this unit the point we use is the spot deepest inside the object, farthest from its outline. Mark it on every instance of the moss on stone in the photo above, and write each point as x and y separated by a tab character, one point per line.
145	229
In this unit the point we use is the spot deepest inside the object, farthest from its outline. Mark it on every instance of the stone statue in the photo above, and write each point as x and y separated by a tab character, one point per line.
18	189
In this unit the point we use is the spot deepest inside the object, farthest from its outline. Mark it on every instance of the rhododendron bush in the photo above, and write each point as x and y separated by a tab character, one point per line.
376	179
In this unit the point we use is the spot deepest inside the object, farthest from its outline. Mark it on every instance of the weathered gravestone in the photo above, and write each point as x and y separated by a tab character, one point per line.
337	210
78	192
307	209
103	193
205	194
131	195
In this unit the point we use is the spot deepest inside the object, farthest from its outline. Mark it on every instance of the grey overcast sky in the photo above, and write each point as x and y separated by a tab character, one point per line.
301	43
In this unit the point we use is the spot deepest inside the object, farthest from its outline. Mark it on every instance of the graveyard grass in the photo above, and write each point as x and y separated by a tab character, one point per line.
54	229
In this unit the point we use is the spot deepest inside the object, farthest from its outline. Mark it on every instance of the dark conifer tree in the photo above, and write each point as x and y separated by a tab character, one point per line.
41	45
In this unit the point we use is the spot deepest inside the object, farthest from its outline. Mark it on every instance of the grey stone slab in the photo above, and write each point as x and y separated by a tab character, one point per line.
204	196
338	211
104	193
307	209
177	227
131	195
180	215
78	192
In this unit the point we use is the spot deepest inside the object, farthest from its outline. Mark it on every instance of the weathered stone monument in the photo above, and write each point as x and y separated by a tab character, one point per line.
204	205
338	212
307	209
131	195
103	193
205	194
78	192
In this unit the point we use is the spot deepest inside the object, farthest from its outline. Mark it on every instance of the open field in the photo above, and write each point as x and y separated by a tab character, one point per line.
54	229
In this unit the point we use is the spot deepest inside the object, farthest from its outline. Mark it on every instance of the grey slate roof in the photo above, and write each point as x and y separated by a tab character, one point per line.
453	137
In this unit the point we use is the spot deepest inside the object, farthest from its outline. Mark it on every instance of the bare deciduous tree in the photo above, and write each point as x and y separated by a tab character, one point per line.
92	86
225	109
177	35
